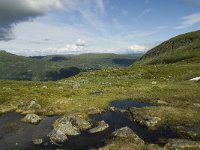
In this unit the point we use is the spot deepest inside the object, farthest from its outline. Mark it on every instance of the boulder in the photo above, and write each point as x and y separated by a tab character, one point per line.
34	105
126	132
31	118
115	109
57	137
67	125
102	125
37	141
144	119
162	102
182	144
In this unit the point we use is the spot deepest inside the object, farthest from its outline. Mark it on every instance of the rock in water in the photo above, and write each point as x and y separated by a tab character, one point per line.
31	118
67	125
182	144
146	120
57	137
126	132
102	125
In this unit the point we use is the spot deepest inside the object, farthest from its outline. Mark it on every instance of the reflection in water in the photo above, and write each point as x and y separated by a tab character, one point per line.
15	134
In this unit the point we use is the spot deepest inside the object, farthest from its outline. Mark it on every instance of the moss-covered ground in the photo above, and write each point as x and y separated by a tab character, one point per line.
166	86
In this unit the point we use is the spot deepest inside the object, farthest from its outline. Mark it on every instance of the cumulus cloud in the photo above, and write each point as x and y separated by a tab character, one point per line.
189	21
76	48
81	43
14	12
137	48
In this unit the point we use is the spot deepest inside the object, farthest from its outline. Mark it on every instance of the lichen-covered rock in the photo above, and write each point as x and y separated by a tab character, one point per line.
126	132
37	141
117	109
31	118
146	120
94	111
102	125
34	105
182	144
79	122
162	102
57	137
67	125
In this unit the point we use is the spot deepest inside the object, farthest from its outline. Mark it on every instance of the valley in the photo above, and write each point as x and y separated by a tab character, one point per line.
162	78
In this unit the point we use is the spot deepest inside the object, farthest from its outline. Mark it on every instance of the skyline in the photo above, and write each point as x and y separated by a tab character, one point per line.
45	27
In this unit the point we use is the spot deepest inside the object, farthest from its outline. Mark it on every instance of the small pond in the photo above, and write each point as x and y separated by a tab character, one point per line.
15	134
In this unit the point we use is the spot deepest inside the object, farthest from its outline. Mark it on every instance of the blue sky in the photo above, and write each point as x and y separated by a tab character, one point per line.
42	27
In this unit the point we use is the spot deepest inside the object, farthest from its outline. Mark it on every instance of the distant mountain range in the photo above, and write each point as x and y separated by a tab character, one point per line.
54	67
184	48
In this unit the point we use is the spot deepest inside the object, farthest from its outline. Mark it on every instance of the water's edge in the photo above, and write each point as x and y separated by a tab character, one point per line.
15	134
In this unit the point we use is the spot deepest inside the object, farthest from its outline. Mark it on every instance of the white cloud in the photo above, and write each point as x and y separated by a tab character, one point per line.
189	21
81	43
137	48
76	48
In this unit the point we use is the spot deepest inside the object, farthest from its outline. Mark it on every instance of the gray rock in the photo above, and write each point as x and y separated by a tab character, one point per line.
126	132
146	120
34	105
102	125
37	141
162	102
31	118
181	144
75	85
67	125
57	137
79	122
116	109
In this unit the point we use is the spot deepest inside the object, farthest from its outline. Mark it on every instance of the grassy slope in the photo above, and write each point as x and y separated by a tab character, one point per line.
135	82
24	68
183	48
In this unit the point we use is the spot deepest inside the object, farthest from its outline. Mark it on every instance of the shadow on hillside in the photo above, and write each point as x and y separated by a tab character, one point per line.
123	61
57	59
62	73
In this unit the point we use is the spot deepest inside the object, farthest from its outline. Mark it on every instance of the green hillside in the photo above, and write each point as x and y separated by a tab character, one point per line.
15	67
182	48
161	77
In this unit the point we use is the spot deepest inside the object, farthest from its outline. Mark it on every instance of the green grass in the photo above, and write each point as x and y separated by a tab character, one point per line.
182	49
134	82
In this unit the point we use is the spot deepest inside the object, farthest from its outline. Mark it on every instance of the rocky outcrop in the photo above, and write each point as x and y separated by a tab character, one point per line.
31	118
144	119
182	144
101	126
67	125
126	132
